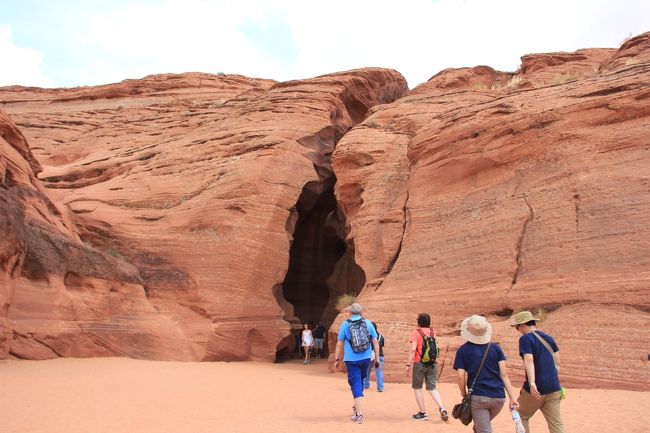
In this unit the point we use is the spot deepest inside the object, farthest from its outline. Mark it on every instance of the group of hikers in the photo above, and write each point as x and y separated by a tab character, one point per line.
480	366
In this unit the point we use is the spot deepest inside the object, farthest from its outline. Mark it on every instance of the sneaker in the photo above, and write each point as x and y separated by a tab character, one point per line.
421	416
358	419
444	415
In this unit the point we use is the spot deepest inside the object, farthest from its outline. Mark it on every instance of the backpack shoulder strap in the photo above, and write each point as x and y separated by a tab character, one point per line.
548	347
416	346
348	330
478	372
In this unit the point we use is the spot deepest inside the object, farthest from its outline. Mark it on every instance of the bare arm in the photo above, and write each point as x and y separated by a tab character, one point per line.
503	372
529	365
461	379
556	356
337	354
409	360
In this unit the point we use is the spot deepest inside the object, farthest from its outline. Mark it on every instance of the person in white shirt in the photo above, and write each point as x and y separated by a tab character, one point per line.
307	342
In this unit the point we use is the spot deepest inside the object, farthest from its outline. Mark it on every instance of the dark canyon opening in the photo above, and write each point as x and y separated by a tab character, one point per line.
321	262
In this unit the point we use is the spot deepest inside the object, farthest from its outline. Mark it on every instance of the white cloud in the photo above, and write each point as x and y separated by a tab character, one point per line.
131	39
174	36
20	65
423	36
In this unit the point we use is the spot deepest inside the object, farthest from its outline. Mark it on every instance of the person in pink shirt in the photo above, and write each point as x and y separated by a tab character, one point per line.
423	373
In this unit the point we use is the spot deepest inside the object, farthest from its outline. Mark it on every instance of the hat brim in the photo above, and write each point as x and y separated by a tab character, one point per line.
524	321
476	339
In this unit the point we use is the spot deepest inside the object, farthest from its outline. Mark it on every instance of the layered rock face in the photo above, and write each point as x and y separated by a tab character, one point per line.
172	204
200	217
486	193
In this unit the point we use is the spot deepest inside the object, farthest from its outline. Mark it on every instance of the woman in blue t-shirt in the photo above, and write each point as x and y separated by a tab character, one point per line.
488	395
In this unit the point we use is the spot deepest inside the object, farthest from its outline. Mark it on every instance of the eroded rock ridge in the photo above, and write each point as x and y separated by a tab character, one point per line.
154	218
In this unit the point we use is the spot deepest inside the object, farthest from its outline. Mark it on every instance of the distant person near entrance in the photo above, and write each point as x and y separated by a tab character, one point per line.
298	342
319	338
423	356
359	338
307	342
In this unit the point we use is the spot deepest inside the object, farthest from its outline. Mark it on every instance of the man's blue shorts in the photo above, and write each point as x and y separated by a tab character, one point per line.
357	372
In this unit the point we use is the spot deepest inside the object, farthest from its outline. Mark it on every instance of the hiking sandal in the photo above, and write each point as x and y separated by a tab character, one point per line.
444	415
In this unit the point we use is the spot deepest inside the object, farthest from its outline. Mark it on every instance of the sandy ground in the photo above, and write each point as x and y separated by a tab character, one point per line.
116	395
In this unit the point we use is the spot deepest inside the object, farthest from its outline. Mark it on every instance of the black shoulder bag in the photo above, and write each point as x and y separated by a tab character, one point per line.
463	410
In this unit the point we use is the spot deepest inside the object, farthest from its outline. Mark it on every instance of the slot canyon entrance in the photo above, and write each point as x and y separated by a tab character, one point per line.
321	263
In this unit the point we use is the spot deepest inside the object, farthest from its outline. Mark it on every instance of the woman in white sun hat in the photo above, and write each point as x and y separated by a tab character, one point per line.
487	390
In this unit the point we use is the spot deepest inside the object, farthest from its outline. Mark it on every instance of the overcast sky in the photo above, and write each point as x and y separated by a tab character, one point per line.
63	43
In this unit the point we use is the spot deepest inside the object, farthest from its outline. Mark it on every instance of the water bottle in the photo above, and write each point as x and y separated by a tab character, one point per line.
516	418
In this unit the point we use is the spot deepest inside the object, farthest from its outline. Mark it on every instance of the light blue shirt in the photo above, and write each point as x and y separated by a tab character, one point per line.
344	335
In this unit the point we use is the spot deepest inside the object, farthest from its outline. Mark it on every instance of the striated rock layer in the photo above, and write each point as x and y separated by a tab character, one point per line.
486	193
165	229
155	218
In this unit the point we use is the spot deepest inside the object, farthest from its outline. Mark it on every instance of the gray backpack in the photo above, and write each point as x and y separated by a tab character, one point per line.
359	335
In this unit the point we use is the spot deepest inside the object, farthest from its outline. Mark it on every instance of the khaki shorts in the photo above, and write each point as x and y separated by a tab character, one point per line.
424	374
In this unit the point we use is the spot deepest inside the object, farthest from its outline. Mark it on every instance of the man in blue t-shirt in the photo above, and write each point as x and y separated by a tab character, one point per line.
356	363
542	388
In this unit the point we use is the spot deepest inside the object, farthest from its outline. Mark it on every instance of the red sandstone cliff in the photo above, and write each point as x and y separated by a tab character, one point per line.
486	193
179	194
162	222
